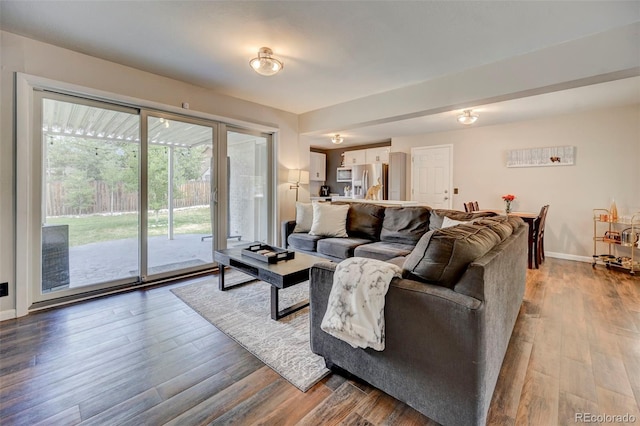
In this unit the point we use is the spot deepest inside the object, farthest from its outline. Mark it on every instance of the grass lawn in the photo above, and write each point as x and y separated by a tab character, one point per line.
95	228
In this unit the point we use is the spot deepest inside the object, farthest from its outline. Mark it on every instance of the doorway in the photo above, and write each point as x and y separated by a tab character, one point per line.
432	175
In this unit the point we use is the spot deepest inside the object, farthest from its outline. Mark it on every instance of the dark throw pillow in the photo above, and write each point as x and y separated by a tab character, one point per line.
442	256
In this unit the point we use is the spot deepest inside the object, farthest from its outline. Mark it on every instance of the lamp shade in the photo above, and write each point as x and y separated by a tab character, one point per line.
304	177
294	176
298	176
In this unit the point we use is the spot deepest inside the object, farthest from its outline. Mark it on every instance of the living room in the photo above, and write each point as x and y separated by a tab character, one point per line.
582	69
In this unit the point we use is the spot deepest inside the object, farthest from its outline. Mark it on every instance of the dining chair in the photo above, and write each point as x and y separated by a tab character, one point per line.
476	207
538	236
468	207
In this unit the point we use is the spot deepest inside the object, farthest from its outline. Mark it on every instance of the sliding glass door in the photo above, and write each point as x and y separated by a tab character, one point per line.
116	196
180	171
249	180
127	195
90	192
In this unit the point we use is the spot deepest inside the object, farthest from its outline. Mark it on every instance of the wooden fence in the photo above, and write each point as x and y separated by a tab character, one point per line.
120	200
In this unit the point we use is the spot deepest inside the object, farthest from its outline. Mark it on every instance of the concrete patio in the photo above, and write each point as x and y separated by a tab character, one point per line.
114	260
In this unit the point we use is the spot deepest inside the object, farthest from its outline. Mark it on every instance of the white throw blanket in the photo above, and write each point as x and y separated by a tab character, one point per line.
355	312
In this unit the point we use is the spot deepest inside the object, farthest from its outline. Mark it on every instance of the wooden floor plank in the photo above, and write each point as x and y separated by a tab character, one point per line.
115	414
221	402
571	406
144	357
259	405
610	373
539	401
506	397
68	417
335	408
290	411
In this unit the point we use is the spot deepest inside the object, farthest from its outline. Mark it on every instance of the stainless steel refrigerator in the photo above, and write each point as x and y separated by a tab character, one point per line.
365	176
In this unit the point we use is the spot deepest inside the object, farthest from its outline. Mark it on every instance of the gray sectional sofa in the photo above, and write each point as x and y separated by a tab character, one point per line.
448	320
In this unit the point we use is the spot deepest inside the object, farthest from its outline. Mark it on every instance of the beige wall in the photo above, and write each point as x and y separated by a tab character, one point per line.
19	54
607	166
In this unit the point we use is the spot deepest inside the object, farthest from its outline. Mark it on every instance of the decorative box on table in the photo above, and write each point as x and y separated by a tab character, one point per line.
268	254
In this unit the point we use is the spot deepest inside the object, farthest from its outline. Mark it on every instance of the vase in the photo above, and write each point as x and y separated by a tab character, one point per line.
508	207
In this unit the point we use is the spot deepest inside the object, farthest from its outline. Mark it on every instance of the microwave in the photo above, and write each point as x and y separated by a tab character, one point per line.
343	174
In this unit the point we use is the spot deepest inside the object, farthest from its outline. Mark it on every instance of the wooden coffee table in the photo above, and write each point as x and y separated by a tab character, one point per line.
280	275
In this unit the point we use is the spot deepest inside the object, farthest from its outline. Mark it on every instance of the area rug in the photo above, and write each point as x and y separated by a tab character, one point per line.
243	313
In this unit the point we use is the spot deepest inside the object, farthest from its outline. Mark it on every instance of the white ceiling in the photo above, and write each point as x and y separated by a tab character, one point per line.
333	51
616	93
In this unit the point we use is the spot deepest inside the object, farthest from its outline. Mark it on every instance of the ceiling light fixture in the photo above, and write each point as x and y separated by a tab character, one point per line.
467	117
265	64
337	139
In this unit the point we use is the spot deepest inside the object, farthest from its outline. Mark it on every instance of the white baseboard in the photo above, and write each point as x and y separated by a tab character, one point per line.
7	315
587	259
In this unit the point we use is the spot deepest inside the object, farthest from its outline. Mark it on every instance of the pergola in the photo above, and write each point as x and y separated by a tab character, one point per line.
65	119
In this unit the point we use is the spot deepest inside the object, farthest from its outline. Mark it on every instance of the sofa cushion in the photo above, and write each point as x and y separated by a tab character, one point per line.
365	220
340	247
398	261
329	220
303	241
442	256
499	224
304	217
404	225
515	222
383	250
438	215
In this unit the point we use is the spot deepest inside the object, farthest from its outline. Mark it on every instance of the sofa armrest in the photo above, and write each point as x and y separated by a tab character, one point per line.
286	229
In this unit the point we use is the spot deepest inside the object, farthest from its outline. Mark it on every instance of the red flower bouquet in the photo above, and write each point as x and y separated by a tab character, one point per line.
508	199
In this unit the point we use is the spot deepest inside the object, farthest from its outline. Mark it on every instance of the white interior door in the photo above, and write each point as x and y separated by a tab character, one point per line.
432	175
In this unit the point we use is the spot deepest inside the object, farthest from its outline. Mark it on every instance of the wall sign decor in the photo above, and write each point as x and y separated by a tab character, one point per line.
541	157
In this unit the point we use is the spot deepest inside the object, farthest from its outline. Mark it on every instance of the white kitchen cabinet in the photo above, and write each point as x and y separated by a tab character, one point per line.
352	158
318	167
377	155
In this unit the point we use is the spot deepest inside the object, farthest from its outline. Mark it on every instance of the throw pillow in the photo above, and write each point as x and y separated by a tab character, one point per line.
442	256
365	221
404	225
304	217
329	220
447	222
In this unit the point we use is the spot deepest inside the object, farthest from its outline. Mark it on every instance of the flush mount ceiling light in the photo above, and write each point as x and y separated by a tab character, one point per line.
337	139
265	64
467	117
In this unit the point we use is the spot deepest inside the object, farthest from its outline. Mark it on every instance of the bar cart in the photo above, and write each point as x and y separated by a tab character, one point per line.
615	233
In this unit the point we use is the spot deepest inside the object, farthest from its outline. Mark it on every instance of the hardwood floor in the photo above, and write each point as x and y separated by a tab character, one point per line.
145	357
